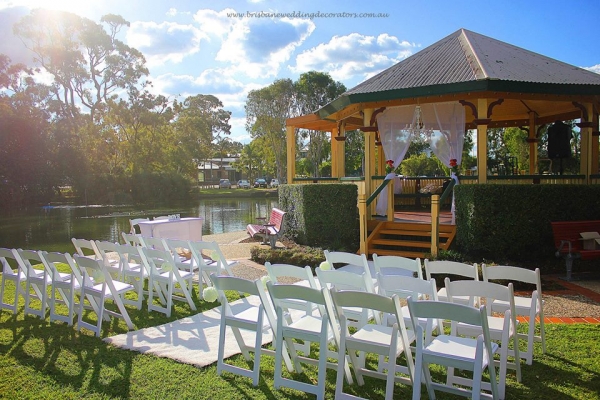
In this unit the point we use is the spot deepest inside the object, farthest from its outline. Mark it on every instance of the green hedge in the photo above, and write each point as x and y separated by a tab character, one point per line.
512	222
324	215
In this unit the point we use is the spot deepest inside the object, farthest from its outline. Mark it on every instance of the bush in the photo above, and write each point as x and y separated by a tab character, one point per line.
294	255
321	215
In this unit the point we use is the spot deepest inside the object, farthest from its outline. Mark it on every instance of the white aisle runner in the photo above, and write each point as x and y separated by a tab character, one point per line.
192	340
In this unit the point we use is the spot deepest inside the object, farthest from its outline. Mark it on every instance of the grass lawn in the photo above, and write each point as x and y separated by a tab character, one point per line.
39	360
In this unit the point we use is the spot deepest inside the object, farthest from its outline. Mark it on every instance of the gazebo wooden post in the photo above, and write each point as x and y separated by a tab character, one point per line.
586	126
291	153
482	121
369	155
338	150
533	143
595	133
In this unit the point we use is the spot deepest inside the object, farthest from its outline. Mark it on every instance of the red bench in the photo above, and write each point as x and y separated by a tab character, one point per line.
568	241
269	231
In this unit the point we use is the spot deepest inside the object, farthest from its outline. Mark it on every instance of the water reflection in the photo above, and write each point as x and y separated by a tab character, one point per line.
51	228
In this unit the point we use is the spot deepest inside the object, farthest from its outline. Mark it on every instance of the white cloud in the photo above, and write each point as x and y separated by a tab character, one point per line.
346	57
211	81
258	47
595	68
215	23
167	41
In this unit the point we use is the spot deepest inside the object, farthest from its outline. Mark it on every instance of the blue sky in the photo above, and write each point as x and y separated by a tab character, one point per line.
198	46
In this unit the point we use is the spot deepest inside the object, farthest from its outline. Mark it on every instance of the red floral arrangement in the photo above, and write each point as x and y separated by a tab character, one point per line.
389	166
454	166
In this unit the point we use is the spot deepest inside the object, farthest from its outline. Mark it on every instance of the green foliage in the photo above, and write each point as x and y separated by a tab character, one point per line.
321	215
508	222
295	255
421	165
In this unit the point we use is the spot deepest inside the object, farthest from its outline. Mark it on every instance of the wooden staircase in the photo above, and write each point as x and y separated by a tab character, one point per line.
406	239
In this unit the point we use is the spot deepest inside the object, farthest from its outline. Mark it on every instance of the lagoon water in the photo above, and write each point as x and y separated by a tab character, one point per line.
52	227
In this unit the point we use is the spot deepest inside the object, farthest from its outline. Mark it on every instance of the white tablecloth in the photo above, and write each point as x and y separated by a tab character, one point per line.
183	229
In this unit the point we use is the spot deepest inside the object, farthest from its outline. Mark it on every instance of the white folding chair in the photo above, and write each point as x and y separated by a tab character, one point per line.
344	280
37	280
86	248
454	268
240	317
532	307
319	329
109	254
404	287
383	340
353	263
288	274
153	242
134	222
133	271
11	273
210	258
453	351
503	330
98	286
177	247
67	284
396	265
132	239
163	276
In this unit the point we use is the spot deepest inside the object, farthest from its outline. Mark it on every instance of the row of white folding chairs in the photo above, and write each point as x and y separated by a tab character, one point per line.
530	307
197	256
169	278
324	319
86	279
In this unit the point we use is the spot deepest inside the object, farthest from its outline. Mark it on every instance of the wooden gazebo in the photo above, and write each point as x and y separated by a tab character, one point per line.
500	85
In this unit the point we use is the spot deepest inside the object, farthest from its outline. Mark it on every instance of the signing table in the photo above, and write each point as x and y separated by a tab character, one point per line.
183	229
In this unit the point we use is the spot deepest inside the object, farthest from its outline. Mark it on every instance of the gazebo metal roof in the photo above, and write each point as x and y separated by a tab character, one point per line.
467	65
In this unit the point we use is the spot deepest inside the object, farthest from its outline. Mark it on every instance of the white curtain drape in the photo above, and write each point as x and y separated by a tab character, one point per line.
447	138
444	125
393	125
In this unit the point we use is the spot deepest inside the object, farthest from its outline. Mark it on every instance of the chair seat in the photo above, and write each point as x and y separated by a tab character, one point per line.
495	325
443	296
379	334
120	288
522	305
307	323
459	348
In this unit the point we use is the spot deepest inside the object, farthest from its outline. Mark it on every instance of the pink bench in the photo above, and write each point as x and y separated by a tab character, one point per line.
269	231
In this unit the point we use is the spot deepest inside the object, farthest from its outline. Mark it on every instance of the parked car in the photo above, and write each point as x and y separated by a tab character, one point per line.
260	182
274	183
224	184
243	184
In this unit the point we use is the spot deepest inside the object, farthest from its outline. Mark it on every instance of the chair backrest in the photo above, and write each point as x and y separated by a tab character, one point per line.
156	260
5	256
109	254
241	285
279	272
449	311
515	274
86	248
207	253
178	247
93	272
134	222
51	260
27	259
132	239
481	289
451	268
154	242
343	280
405	286
359	261
396	265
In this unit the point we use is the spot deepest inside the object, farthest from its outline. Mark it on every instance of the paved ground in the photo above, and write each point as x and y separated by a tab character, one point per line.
572	303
